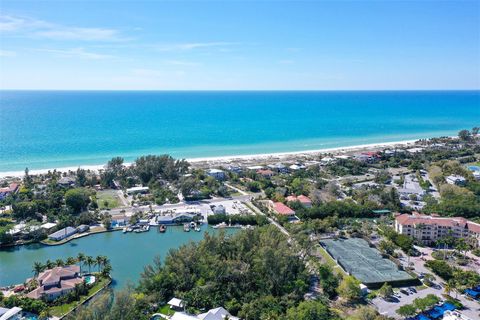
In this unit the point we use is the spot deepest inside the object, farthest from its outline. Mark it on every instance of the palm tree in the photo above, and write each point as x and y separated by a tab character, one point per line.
49	264
451	285
59	263
99	262
81	260
70	261
107	268
37	268
89	261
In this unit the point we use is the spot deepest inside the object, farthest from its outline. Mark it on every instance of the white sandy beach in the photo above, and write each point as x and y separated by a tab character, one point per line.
228	159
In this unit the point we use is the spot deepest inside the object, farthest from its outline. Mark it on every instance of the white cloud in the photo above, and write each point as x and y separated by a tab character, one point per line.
191	46
42	29
7	53
77	53
86	34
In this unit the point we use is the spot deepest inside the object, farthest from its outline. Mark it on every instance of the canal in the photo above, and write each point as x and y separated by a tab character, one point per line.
128	252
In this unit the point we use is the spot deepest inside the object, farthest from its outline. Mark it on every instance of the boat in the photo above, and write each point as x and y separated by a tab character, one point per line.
193	225
137	230
124	230
197	228
220	226
186	227
162	228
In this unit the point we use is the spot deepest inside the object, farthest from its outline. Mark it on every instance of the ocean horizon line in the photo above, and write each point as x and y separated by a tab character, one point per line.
242	90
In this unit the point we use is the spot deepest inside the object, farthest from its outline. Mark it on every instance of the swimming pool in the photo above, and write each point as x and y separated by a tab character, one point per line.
473	168
89	279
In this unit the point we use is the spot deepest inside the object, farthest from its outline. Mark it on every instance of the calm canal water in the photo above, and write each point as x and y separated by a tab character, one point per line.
128	253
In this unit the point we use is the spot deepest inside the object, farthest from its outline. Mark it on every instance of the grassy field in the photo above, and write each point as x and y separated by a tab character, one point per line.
60	310
166	310
108	199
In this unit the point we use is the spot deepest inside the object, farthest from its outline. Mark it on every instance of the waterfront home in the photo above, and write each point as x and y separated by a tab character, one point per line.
235	169
5	192
178	218
56	282
62	234
304	200
456	180
428	229
137	190
212	314
14	313
83	228
216	173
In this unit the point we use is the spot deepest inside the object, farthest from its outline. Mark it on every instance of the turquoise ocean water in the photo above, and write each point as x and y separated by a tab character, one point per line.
48	129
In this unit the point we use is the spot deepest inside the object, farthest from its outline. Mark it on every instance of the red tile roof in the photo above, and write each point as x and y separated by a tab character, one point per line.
416	218
282	209
304	199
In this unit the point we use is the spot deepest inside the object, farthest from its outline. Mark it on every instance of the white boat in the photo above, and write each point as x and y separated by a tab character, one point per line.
193	225
186	227
124	230
220	226
198	229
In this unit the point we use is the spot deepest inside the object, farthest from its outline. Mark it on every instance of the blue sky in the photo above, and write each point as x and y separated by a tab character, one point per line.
316	45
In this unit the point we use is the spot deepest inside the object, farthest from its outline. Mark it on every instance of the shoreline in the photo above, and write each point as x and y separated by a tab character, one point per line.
233	158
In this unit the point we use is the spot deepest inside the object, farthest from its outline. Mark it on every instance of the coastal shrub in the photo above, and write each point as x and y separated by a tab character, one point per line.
440	268
255	270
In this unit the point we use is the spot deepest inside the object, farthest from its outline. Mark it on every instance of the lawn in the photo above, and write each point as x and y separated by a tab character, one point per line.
166	310
60	310
107	199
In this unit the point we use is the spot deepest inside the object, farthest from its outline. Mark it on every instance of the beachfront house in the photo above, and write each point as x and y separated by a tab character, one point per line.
62	234
56	282
14	313
216	173
456	180
178	218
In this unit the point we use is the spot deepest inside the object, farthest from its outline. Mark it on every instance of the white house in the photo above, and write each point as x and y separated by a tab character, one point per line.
14	313
216	173
457	180
62	234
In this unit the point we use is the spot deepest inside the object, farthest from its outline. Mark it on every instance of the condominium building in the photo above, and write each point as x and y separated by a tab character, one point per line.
428	229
